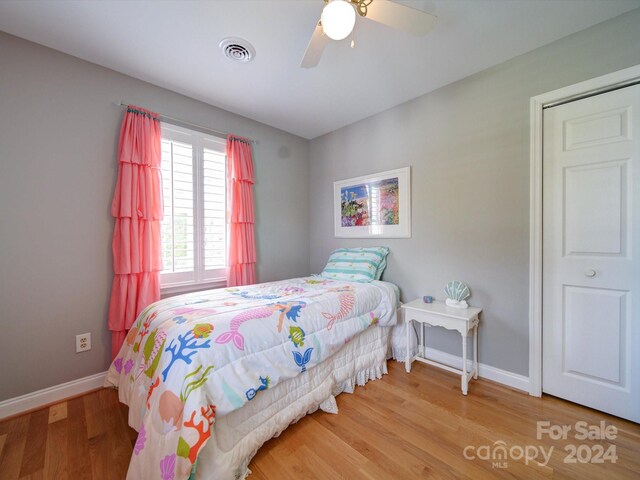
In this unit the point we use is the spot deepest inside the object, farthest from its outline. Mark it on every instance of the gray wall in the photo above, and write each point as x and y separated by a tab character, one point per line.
468	146
59	130
467	143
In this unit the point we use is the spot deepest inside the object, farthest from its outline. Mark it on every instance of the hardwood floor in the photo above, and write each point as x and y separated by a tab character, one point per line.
405	426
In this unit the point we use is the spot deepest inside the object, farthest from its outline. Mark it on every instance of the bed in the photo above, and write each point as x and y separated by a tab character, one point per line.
210	376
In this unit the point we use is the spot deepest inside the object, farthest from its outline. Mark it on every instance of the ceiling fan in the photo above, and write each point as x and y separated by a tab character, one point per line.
339	17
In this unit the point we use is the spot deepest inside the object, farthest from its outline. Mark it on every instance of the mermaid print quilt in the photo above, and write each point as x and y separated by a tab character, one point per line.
189	358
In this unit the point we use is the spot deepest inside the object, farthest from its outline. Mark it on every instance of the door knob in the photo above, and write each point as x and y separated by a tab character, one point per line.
590	273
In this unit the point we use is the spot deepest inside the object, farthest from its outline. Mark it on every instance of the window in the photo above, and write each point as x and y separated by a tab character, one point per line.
194	231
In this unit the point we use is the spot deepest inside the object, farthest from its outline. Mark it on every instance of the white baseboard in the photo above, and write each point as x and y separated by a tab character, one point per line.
510	379
33	400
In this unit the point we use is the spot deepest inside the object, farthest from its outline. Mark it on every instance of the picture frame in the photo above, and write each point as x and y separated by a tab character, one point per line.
373	206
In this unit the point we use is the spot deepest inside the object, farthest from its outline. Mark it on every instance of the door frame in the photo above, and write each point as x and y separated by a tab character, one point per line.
562	95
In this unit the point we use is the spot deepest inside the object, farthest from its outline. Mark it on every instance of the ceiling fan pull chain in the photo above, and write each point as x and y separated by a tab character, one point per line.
353	38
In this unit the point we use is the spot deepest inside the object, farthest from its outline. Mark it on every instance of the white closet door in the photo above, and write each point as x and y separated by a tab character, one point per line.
591	251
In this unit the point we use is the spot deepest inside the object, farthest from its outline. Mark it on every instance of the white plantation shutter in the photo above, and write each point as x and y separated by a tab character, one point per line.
178	224
215	229
194	232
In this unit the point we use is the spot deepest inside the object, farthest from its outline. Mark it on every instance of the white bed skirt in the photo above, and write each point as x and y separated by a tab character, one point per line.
238	436
399	339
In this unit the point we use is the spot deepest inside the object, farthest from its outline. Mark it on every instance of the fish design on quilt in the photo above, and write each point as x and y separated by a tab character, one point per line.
347	301
202	330
296	334
252	392
302	359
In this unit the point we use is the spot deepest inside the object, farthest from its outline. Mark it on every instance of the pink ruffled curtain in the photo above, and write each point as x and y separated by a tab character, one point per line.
138	210
242	248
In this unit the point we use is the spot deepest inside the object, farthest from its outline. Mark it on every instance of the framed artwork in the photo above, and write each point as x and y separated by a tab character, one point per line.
373	206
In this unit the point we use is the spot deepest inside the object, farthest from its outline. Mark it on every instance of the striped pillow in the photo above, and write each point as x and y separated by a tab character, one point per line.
356	264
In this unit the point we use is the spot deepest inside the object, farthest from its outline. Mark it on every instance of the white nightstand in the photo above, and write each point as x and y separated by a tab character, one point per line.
438	314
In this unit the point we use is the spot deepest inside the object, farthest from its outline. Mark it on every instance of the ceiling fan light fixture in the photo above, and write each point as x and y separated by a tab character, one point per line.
338	19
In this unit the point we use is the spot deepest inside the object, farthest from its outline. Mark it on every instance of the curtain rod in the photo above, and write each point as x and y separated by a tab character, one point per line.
182	122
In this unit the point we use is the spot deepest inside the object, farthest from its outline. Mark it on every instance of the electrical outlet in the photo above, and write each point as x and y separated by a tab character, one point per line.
83	342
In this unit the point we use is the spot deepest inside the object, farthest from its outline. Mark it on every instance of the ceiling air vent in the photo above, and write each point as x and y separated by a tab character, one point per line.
237	49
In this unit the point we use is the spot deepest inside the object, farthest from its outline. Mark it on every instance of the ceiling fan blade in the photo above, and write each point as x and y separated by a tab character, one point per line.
314	49
398	16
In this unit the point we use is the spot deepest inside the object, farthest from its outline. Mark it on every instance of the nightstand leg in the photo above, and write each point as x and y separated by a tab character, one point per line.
407	361
464	364
475	352
422	339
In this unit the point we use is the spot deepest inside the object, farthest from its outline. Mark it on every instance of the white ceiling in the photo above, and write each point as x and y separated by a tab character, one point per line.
174	44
